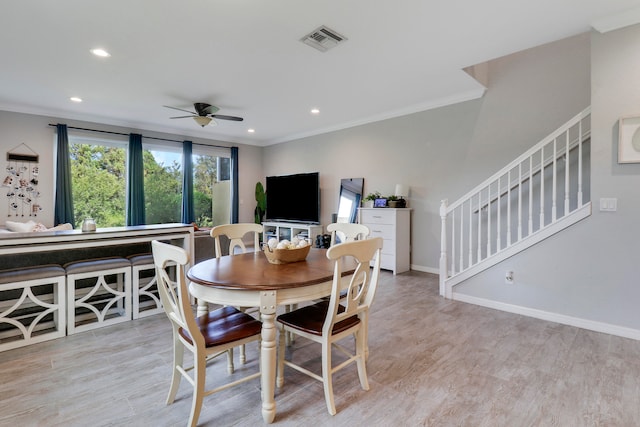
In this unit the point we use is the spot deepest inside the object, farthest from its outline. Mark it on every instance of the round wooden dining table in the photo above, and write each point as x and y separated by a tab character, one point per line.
249	280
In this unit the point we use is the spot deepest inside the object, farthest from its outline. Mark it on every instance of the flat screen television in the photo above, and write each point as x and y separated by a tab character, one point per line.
294	198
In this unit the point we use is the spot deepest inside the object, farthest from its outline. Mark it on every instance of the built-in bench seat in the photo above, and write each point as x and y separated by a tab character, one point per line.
145	294
98	293
32	305
40	300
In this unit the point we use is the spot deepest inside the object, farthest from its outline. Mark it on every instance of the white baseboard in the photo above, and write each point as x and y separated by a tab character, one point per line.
425	269
551	317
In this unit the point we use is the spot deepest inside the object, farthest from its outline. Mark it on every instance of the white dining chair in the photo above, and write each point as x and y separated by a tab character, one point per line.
342	232
207	336
329	322
235	233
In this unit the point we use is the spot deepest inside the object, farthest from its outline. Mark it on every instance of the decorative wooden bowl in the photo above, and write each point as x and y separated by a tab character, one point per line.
284	256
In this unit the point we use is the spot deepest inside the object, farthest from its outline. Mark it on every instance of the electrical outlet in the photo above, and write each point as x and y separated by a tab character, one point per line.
508	277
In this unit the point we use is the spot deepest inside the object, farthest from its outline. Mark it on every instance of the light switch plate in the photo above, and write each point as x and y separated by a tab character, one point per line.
608	204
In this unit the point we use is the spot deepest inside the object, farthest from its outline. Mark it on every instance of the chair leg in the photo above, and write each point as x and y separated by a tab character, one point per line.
361	344
365	327
178	357
243	354
281	350
202	307
290	336
199	371
327	377
230	367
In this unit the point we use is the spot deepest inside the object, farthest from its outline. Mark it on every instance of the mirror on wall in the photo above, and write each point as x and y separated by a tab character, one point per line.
350	196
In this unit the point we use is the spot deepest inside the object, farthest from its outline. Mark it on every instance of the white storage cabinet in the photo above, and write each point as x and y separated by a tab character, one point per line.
394	226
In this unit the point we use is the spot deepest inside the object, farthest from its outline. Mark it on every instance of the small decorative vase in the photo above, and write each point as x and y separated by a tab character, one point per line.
88	225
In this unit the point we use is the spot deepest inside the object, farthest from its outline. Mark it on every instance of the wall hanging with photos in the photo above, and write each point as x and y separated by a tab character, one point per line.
21	182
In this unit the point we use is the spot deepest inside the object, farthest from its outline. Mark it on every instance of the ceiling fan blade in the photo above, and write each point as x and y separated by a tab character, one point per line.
179	109
181	117
222	117
205	109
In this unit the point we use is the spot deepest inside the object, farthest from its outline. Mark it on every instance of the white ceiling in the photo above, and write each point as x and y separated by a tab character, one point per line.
245	57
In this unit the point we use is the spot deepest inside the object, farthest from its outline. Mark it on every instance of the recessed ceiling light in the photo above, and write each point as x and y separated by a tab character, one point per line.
315	111
100	52
75	99
251	130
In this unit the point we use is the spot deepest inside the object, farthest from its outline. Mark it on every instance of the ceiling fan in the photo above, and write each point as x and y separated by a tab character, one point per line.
204	114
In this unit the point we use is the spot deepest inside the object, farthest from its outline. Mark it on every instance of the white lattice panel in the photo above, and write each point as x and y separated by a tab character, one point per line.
31	311
107	301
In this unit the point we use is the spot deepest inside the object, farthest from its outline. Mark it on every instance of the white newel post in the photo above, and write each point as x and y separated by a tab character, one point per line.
443	245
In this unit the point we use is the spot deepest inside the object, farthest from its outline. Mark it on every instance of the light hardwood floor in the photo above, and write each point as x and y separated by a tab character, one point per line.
433	362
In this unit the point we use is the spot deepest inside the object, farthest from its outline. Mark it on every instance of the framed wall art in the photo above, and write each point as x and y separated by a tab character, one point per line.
21	182
629	140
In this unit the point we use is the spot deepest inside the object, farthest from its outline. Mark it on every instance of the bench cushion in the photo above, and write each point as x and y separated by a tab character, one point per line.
96	264
141	259
31	273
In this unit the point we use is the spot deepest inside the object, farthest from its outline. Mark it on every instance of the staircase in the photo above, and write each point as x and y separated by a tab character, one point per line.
538	194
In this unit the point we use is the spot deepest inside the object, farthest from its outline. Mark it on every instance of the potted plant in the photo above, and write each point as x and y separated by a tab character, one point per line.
261	203
367	202
393	201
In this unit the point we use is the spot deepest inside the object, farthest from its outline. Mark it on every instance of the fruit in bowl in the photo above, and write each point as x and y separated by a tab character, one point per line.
286	251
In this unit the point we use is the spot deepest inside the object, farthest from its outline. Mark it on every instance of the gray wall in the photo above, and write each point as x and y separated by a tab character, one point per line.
35	132
443	153
588	275
588	272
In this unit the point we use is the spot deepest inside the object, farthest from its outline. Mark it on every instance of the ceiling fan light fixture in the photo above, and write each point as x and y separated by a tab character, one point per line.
202	120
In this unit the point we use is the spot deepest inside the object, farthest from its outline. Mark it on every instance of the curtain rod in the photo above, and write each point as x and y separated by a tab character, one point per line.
147	137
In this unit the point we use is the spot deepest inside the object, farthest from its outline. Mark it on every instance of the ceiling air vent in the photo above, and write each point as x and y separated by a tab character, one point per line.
323	39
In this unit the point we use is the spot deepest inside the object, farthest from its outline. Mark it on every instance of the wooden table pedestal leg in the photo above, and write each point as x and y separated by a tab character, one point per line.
268	354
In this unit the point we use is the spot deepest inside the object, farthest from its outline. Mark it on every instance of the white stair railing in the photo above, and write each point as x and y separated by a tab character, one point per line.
532	196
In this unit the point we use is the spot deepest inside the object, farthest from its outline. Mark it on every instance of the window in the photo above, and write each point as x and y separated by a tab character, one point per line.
98	180
211	186
98	177
162	183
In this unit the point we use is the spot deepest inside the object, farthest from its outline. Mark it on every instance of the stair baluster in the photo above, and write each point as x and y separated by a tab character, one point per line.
507	190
